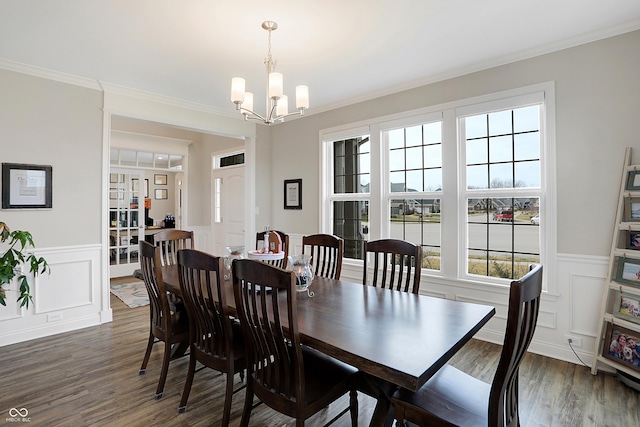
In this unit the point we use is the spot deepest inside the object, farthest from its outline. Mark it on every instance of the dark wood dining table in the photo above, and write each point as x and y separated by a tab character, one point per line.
399	337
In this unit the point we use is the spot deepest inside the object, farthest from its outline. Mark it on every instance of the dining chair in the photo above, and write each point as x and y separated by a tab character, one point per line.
282	263
404	258
451	397
215	342
326	252
170	242
168	321
286	376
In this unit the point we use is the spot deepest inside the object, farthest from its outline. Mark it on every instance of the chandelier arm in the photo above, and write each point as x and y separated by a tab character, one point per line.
248	114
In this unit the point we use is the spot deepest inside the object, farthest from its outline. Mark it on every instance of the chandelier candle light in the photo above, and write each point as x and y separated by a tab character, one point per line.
277	107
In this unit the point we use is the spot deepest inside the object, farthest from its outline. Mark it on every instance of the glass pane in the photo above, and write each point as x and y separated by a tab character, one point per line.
433	133
527	146
433	156
500	123
175	162
500	149
414	136
364	147
526	239
145	160
478	211
396	138
433	180
396	160
397	182
162	161
476	126
350	221
338	165
414	158
477	234
500	235
501	175
338	148
365	183
127	158
414	180
113	156
528	174
364	163
339	185
477	151
477	177
526	119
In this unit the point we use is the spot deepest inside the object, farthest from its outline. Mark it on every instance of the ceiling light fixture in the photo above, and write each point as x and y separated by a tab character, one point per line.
277	106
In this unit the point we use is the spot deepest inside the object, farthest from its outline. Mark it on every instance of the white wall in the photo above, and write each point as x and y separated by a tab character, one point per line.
597	110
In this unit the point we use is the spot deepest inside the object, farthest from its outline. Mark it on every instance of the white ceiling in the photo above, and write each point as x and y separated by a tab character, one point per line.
344	50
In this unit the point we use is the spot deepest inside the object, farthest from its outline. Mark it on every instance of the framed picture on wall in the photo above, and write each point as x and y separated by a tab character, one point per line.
26	186
620	345
633	180
627	271
293	193
161	194
631	209
159	179
627	306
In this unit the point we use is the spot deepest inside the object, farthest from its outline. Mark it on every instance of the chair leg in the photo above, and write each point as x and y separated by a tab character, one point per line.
248	405
353	407
165	369
143	368
188	383
228	397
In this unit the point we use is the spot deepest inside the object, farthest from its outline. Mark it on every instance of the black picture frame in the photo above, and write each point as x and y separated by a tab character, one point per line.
26	186
293	193
612	334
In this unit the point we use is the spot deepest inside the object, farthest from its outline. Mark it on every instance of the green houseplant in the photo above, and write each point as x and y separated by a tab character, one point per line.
18	242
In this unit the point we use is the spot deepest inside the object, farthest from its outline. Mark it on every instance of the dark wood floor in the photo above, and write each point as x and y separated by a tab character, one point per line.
90	378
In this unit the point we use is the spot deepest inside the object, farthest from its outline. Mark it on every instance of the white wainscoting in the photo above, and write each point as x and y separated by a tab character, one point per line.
70	297
574	308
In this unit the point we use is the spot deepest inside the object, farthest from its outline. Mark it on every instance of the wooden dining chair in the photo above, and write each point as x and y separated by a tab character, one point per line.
452	397
170	242
396	264
168	321
326	252
282	263
215	342
286	376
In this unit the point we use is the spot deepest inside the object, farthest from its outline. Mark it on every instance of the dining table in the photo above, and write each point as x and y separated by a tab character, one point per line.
398	337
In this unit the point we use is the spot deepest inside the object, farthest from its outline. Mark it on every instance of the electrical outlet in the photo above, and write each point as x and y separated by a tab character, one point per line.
574	341
54	317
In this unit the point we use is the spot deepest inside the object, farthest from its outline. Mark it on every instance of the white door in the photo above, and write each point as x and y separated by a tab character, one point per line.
126	220
228	208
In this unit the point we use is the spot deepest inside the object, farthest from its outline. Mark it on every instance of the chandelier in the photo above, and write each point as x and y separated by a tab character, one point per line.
277	105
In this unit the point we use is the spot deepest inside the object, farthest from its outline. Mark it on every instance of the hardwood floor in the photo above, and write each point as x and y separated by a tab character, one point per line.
90	378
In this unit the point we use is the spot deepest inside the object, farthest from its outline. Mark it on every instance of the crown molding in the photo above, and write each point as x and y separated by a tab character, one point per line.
44	73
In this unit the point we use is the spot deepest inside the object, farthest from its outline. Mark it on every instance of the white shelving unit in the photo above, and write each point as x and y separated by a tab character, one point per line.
620	313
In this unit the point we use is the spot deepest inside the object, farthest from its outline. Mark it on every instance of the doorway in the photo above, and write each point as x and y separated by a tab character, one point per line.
228	200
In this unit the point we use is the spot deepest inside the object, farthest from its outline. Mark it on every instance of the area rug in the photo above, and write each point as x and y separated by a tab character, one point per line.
133	294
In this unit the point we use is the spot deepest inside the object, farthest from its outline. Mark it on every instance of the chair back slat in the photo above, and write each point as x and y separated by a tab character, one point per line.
170	242
524	306
204	295
266	304
281	263
153	282
398	262
326	252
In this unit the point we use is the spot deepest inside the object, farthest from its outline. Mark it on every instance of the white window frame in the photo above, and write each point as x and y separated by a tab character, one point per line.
454	194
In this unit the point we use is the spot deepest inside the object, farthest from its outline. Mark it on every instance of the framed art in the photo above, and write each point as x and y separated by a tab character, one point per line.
627	306
633	241
633	180
620	345
627	271
631	209
293	193
161	194
159	179
26	186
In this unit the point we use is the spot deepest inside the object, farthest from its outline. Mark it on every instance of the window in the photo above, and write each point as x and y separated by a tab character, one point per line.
467	181
414	185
